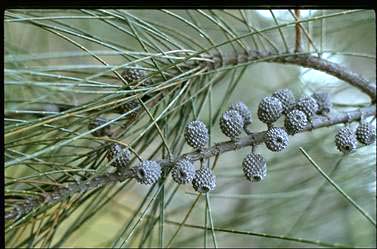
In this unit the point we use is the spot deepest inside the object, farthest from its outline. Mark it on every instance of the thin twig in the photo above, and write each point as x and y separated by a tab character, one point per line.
306	33
61	193
298	32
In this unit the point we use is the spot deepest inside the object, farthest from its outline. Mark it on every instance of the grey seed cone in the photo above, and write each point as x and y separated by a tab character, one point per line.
104	131
308	105
147	172
254	167
183	171
231	123
119	155
345	140
132	106
295	121
204	180
323	101
287	99
366	133
243	110
196	134
269	110
131	75
276	139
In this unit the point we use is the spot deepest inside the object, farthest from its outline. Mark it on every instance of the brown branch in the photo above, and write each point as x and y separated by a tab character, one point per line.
298	31
303	60
335	70
298	28
62	193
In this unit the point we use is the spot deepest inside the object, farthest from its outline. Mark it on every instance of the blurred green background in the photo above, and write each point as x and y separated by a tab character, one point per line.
294	199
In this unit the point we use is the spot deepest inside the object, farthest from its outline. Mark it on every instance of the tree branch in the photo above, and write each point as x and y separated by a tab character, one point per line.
62	193
333	69
297	31
304	60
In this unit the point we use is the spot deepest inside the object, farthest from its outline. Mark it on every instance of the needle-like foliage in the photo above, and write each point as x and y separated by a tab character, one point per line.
147	74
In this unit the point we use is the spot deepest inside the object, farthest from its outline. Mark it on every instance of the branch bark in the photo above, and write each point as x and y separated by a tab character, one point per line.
298	31
333	69
304	60
62	193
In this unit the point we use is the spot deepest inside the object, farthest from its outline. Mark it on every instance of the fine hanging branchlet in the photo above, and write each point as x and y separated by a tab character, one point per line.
196	135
